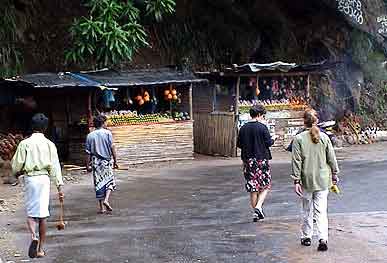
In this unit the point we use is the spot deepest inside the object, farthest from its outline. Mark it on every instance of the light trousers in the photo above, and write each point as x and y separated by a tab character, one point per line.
315	205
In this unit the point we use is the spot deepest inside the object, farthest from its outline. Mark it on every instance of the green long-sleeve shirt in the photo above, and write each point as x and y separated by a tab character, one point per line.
37	156
313	164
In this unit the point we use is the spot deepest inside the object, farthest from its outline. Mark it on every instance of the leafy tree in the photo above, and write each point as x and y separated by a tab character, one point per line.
10	55
113	31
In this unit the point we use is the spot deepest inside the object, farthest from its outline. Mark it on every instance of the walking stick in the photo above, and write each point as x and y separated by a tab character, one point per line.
61	225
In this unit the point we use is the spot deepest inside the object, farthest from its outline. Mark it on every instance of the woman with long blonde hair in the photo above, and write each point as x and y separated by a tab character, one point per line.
314	169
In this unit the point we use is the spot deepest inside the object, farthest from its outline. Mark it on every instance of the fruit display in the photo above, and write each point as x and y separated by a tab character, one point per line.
120	118
296	103
181	116
171	95
141	98
8	145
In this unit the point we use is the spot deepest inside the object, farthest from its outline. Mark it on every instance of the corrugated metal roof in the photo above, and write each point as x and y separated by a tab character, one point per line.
111	78
280	66
104	78
51	80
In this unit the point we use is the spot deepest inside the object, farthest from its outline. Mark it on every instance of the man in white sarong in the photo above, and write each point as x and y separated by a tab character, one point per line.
37	159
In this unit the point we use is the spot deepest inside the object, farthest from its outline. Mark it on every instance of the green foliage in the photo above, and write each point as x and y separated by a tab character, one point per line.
373	99
113	32
10	55
158	8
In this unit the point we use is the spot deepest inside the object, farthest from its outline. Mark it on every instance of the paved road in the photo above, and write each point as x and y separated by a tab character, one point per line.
199	213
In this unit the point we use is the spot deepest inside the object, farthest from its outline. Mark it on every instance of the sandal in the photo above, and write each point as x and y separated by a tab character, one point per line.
306	242
33	249
107	206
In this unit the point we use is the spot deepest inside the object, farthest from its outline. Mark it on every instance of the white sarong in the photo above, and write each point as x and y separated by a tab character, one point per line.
37	195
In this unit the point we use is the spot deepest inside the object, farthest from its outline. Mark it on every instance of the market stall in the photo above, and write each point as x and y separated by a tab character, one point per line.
283	88
58	96
149	111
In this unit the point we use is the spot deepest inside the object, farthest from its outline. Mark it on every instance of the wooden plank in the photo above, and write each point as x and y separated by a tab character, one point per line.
214	134
169	141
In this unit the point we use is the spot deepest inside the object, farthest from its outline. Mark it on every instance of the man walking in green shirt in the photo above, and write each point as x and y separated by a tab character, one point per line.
37	159
314	169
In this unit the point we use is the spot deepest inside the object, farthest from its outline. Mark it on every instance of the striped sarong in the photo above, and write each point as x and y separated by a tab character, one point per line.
103	176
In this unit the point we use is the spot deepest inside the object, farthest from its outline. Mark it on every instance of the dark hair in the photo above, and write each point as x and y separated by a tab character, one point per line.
257	110
310	121
99	121
39	122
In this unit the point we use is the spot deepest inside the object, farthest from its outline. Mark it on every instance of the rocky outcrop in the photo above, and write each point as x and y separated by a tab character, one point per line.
210	34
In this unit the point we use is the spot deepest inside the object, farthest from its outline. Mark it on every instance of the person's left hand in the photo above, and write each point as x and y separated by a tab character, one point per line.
298	189
335	179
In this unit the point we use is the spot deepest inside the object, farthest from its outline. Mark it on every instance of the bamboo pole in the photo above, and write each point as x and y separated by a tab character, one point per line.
89	109
214	98
236	119
308	89
190	102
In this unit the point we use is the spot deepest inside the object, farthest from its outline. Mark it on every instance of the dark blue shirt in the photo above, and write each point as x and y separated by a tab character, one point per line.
254	140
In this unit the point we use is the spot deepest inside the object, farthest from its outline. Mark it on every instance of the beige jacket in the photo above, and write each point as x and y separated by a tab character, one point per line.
313	164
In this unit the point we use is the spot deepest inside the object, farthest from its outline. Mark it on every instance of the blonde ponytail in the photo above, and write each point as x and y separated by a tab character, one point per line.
310	121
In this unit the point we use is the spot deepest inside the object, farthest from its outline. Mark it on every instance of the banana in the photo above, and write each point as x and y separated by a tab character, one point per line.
335	189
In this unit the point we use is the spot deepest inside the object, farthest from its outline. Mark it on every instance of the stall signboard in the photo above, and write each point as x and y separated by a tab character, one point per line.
270	123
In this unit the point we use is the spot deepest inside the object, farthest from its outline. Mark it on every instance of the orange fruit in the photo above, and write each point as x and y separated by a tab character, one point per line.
170	96
166	92
174	92
174	97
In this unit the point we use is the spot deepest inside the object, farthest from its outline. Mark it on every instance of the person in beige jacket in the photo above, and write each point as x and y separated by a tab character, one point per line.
314	170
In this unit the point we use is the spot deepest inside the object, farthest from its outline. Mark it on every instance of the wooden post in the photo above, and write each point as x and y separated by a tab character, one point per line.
308	89
68	111
236	108
214	98
89	109
190	101
257	87
236	119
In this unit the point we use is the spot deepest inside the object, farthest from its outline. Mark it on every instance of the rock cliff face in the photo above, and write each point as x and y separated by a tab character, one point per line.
210	33
207	32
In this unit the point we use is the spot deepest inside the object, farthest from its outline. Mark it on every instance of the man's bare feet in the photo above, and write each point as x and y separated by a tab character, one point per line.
102	211
41	254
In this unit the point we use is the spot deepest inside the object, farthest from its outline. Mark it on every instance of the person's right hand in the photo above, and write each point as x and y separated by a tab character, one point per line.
298	190
61	196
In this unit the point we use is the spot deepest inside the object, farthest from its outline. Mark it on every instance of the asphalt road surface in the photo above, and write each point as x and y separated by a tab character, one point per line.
199	212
